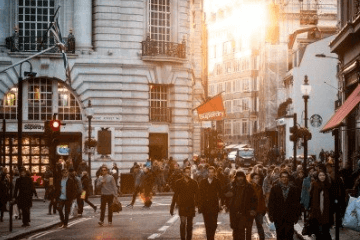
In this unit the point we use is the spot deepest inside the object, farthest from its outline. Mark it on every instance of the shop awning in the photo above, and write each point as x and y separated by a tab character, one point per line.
351	102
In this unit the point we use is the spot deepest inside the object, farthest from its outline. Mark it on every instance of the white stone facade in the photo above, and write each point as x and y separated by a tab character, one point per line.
110	69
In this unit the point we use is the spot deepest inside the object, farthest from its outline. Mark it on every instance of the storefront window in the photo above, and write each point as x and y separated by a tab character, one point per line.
69	108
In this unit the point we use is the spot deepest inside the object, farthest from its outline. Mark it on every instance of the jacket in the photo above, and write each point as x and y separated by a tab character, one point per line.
261	207
185	194
71	189
305	192
326	216
209	195
284	210
85	181
248	203
24	190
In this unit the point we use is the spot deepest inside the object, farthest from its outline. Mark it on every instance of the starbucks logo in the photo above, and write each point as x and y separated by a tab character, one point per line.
316	120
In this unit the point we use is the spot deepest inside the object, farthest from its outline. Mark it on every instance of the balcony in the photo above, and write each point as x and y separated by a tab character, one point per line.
161	115
18	43
163	51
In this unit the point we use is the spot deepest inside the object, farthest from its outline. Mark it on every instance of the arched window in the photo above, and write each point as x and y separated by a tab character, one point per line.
45	97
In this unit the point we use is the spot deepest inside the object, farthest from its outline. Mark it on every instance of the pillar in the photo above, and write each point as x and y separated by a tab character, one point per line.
82	24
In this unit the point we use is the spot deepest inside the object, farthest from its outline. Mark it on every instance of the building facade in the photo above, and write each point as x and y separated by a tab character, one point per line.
133	60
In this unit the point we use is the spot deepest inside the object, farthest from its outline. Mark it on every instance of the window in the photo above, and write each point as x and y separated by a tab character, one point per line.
245	127
34	18
218	69
159	110
246	85
255	84
9	106
237	105
69	108
237	85
237	66
40	96
227	47
40	101
228	67
228	106
245	104
212	90
237	127
219	88
228	87
159	20
227	128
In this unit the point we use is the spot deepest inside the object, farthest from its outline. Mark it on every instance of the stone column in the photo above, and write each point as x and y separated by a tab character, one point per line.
4	22
83	25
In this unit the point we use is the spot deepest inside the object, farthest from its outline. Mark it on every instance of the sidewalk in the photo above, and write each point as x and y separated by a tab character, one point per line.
345	233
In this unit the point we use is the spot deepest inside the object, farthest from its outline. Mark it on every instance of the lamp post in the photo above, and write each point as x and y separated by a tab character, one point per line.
89	113
305	90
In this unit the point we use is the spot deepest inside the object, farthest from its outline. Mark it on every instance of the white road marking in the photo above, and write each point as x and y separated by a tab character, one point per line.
173	219
202	223
155	235
163	228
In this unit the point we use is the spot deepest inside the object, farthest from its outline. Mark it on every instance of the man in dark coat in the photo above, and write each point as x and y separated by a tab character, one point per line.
86	184
24	190
65	193
210	194
243	204
284	206
185	195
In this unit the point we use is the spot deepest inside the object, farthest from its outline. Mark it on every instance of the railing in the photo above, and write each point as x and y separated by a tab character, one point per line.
18	43
169	49
158	114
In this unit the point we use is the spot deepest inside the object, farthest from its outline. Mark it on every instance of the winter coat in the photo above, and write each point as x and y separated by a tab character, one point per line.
24	190
209	195
4	194
71	189
261	207
281	209
326	216
185	196
248	203
86	184
305	192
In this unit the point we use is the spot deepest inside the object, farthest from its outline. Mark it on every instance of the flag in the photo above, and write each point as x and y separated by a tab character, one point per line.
212	109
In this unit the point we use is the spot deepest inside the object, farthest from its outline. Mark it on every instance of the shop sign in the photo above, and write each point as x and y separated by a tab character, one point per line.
62	150
33	127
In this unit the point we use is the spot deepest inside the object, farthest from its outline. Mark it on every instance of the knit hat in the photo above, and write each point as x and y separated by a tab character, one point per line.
240	174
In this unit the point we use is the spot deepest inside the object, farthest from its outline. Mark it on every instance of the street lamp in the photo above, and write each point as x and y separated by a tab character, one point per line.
305	91
89	114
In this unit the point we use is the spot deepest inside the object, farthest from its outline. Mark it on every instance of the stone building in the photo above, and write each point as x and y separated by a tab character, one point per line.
133	59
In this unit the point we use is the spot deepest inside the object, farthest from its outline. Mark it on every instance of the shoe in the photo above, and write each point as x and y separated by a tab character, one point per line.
16	217
95	208
130	206
61	225
101	223
110	223
145	208
80	215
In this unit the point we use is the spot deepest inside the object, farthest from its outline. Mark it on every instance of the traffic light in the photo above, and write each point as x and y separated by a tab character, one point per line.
55	125
294	133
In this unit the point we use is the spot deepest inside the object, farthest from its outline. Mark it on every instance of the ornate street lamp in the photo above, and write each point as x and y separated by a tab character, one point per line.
305	91
89	114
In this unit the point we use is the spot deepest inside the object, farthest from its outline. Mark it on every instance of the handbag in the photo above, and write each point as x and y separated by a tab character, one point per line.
74	209
116	205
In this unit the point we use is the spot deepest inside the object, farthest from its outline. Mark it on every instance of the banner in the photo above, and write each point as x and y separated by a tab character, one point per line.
212	109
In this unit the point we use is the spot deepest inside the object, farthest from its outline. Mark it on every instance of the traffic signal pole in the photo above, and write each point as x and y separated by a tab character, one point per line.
294	160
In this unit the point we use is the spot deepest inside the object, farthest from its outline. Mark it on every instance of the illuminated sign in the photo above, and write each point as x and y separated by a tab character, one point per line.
63	150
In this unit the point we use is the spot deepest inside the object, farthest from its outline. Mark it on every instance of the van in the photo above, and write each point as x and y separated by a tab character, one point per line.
245	157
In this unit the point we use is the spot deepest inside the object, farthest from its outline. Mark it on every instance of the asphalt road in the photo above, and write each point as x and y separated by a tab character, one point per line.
137	223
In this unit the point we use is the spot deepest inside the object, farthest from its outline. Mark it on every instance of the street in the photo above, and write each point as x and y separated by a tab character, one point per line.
155	223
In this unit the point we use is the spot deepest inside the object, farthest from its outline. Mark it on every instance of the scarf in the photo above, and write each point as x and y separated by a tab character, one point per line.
285	190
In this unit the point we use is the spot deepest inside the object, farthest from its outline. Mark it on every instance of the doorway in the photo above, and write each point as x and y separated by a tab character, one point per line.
158	146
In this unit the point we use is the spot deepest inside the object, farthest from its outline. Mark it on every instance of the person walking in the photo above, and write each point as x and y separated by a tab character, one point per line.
185	196
65	193
210	194
79	189
261	207
86	184
4	195
284	206
108	192
243	204
24	190
321	204
138	176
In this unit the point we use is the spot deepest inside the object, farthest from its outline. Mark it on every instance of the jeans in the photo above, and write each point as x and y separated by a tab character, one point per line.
210	220
25	215
186	227
136	192
323	232
259	221
106	199
67	204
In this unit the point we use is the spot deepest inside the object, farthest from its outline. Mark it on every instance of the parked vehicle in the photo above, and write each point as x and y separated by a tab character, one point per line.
232	156
245	157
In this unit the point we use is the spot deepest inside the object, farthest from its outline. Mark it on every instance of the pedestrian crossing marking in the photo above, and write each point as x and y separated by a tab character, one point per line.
173	219
163	228
153	236
202	223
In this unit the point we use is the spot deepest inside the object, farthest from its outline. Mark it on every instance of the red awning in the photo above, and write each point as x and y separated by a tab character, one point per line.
350	103
213	109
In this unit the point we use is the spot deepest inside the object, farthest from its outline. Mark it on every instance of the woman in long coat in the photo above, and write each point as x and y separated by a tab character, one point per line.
24	190
321	203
